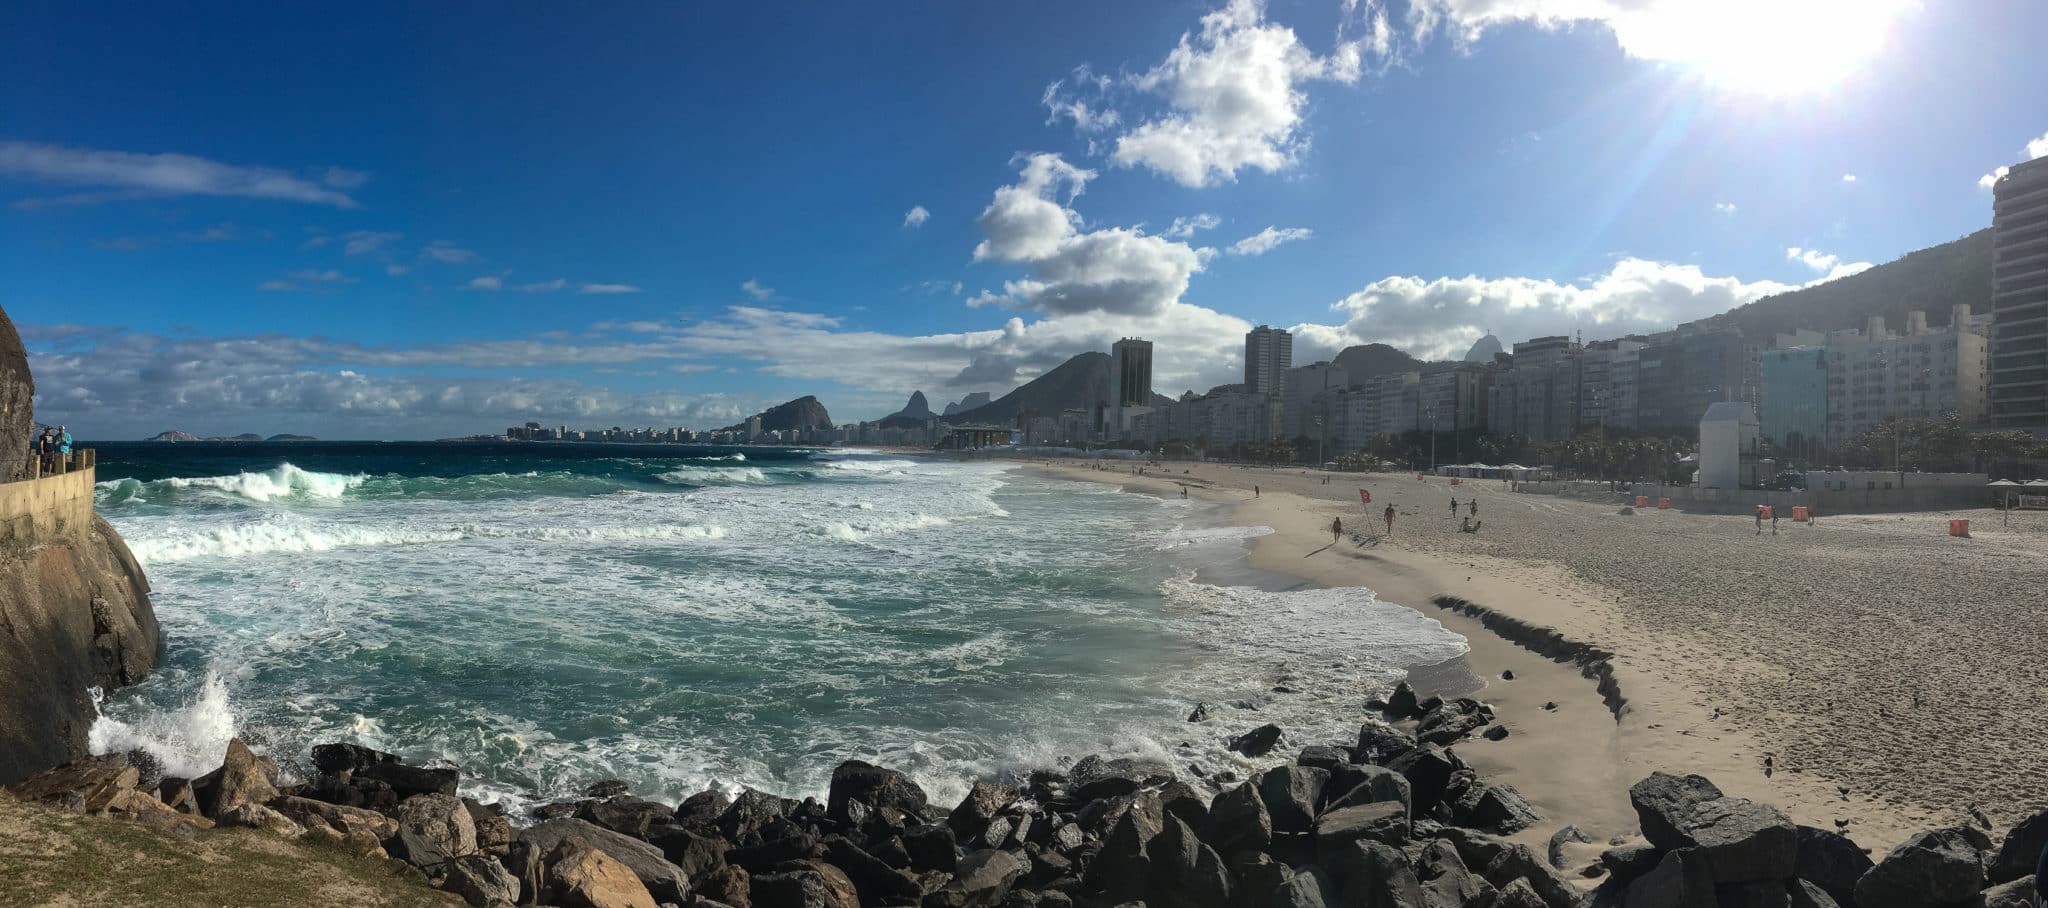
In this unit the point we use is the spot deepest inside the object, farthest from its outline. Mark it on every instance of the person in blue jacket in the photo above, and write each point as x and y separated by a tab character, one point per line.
63	441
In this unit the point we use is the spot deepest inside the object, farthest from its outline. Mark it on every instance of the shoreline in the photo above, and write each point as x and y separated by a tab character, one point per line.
1574	762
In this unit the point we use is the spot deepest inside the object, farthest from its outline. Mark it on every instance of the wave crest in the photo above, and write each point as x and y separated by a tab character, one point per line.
283	481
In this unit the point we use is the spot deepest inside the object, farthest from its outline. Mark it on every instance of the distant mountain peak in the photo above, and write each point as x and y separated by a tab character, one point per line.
800	414
977	399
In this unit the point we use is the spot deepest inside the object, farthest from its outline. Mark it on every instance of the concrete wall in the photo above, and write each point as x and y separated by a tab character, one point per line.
37	510
1922	492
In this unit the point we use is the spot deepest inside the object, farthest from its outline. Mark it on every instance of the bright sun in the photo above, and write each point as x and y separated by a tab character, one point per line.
1763	46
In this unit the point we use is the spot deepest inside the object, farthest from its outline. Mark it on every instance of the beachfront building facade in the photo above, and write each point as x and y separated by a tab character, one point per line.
1875	374
2019	298
1680	373
1793	395
1306	401
1600	364
1131	391
1455	397
1268	354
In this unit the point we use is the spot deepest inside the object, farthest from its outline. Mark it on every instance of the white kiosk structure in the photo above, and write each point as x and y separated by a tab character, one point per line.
1728	440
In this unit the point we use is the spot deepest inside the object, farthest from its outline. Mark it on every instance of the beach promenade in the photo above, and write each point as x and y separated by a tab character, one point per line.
1867	669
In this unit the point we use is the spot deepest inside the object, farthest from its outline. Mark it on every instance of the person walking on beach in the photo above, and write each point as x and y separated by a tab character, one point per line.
1255	490
1774	521
1759	520
1336	530
1475	507
1454	505
1390	519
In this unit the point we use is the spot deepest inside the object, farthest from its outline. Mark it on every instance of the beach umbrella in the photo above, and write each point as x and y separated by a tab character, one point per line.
2004	483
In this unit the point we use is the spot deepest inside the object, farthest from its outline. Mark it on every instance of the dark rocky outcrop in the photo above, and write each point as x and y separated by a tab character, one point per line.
1936	867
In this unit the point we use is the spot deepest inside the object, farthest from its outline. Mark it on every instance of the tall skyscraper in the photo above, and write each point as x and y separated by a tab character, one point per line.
1268	354
2019	297
1133	363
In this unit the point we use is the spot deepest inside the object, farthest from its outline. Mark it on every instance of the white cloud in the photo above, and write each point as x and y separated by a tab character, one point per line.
360	242
447	254
692	368
1184	228
161	174
1848	178
1724	207
608	288
1440	318
1060	103
329	276
343	178
1114	270
543	286
1234	97
2036	148
1830	265
1263	242
916	216
486	282
278	286
755	289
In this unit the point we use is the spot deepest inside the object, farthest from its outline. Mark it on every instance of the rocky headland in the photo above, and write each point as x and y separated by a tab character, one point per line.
1394	818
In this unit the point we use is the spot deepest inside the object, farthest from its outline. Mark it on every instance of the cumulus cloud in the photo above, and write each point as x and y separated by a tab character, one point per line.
607	288
1848	178
1829	265
2036	148
360	242
916	216
756	289
447	253
1112	270
1724	207
1263	242
1442	317
133	174
486	282
1062	101
1233	96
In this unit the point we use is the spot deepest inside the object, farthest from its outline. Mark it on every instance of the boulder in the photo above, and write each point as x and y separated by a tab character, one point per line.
1519	894
703	808
783	839
257	816
1626	862
1179	799
1743	840
607	788
1372	874
1323	756
695	850
1258	742
1451	721
493	831
1352	784
1664	804
932	848
983	800
433	829
1185	871
2010	894
178	794
1498	809
581	876
1292	794
1932	868
1680	880
1201	712
1093	777
982	881
1829	860
2021	849
1445	880
1402	704
874	879
803	884
625	814
665	880
88	784
1311	888
1238	821
1803	894
1379	743
406	781
481	881
864	783
1520	862
368	794
1565	835
1428	769
343	821
1123	868
749	812
1380	821
336	759
730	884
1754	894
239	780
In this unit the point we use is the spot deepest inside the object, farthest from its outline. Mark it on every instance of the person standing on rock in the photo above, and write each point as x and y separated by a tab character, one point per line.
1390	519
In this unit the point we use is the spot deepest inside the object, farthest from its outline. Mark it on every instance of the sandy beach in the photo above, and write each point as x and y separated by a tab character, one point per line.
1868	669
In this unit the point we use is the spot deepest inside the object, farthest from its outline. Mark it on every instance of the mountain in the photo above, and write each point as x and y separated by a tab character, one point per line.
172	435
912	415
1930	280
802	413
289	437
1367	360
245	436
977	399
1083	381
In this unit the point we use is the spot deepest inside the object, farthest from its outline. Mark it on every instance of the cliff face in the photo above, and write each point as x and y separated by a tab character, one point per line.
74	604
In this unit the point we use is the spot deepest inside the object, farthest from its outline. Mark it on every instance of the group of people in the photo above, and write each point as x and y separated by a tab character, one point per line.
51	446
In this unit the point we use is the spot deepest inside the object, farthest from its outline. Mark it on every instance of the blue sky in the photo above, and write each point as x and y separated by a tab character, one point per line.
414	220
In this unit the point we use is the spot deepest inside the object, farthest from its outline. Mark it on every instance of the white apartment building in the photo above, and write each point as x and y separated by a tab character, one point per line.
1875	373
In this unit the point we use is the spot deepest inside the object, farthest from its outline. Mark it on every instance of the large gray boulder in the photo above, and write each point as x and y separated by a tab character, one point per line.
433	829
1291	794
2021	849
874	786
984	879
1743	840
1187	872
665	880
1680	880
1830	861
1930	869
1664	804
1238	821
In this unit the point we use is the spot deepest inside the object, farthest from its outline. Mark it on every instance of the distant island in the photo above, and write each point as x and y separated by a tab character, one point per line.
177	435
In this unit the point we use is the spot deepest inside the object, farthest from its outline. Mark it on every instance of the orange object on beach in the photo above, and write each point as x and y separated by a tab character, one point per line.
1642	501
1663	504
1764	511
1454	480
1959	528
1800	513
1418	477
1365	496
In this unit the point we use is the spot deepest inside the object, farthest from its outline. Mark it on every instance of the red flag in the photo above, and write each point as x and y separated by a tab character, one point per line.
1364	496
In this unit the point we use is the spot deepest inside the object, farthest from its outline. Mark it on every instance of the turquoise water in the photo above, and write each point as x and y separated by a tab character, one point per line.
548	615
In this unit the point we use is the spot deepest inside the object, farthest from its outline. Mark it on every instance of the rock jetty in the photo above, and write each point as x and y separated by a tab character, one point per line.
1393	819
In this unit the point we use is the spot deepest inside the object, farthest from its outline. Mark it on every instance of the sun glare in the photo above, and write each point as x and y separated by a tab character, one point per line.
1765	46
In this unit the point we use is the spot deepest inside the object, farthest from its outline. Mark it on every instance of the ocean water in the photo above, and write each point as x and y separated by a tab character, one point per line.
545	616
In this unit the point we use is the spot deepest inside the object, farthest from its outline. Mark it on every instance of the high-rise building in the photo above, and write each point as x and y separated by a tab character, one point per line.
1306	398
1268	354
1876	374
1794	394
2019	297
1133	360
1681	373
